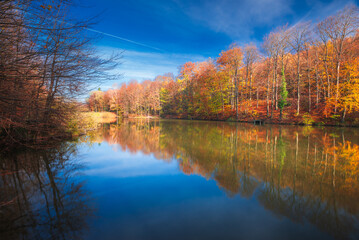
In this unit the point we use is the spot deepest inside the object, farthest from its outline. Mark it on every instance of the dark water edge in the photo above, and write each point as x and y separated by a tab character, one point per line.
41	194
173	179
274	122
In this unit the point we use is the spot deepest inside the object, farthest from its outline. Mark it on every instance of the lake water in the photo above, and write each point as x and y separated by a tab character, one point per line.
150	179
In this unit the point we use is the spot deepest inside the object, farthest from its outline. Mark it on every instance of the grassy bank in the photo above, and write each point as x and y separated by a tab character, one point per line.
92	119
82	122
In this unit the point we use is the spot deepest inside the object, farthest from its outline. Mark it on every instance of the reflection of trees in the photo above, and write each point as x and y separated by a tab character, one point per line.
40	195
298	207
301	173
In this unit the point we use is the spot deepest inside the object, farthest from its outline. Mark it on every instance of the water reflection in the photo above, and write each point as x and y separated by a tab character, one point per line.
302	173
41	196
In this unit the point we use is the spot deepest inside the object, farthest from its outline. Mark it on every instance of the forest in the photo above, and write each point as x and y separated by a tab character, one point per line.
305	74
47	60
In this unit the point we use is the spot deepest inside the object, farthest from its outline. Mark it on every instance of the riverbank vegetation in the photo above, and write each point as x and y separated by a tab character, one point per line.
81	122
304	74
46	62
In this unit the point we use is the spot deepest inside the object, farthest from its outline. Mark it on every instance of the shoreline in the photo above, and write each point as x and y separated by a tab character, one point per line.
263	121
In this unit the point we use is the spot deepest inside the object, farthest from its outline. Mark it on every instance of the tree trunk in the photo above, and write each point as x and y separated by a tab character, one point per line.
298	83
317	83
344	113
337	90
273	87
257	95
236	92
268	91
250	86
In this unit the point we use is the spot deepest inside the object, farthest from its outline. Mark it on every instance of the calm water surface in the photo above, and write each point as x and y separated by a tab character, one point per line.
185	180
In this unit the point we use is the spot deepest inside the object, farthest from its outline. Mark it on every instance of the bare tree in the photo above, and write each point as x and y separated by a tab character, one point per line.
46	61
275	45
316	59
337	28
251	55
271	47
299	36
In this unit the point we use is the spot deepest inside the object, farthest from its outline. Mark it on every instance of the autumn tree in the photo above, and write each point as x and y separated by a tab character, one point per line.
231	61
46	62
251	56
299	36
274	45
219	89
337	28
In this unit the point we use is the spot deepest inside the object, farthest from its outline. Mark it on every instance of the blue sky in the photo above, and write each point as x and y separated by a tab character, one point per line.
163	34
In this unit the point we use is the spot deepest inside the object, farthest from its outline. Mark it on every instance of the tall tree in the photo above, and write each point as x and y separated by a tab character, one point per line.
232	61
299	36
251	55
283	94
274	45
337	28
46	61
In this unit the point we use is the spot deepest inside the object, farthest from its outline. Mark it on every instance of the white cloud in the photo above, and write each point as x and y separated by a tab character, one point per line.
320	10
238	18
147	65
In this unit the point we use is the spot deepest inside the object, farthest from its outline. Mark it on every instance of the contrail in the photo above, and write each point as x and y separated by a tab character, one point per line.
107	34
124	39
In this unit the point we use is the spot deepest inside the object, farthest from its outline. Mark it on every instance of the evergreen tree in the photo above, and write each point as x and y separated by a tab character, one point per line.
283	94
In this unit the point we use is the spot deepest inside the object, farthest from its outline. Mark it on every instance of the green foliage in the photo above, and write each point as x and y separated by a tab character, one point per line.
334	135
78	123
73	126
164	100
253	113
282	146
307	119
335	116
307	130
231	119
320	123
283	93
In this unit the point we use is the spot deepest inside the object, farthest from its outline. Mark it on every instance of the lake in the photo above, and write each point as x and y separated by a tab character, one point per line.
169	179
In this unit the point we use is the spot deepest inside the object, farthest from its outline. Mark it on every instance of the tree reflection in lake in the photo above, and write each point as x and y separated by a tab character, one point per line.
305	174
289	181
41	196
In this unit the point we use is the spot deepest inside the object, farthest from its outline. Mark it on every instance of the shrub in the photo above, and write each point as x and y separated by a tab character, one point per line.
307	119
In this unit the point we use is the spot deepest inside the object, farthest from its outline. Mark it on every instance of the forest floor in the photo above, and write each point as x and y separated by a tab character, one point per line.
252	112
316	116
249	113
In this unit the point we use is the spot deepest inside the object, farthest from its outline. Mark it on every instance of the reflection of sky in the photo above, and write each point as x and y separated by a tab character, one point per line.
103	161
140	197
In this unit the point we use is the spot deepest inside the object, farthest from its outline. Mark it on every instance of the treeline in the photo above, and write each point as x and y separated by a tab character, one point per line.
134	98
46	60
304	73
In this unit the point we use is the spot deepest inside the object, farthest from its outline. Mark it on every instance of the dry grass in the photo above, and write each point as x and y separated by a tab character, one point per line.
100	117
81	122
